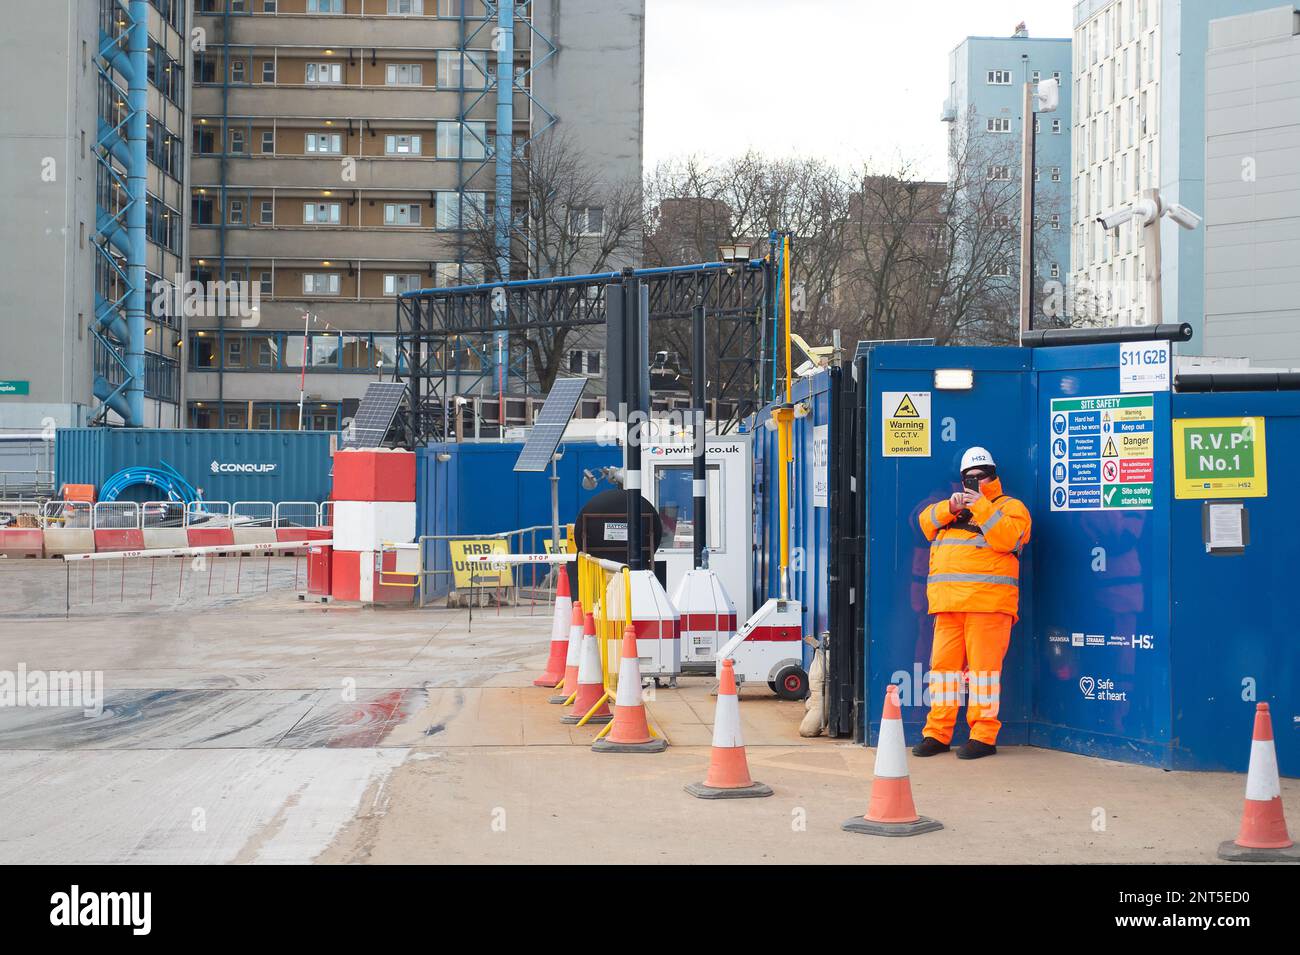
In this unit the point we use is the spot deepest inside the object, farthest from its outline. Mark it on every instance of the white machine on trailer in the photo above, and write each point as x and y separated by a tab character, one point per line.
769	647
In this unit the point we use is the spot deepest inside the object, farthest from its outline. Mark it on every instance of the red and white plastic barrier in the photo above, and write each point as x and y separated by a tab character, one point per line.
373	506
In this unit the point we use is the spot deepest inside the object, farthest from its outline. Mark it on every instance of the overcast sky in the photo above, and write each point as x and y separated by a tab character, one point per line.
847	80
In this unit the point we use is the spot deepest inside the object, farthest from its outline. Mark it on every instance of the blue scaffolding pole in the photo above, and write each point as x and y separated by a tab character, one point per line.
123	229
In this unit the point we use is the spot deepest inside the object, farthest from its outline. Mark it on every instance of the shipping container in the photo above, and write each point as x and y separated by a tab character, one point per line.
225	465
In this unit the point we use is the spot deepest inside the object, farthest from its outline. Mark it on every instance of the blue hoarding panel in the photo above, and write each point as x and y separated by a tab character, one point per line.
809	511
224	465
1235	637
1101	646
993	414
477	491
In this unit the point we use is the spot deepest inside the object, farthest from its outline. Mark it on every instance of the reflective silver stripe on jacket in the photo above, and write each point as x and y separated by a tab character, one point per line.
961	542
997	516
934	516
972	579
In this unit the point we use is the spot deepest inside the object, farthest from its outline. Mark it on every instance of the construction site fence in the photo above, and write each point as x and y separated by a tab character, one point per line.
181	577
132	515
527	586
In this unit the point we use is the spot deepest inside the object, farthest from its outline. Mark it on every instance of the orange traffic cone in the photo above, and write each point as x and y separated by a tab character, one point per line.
728	776
554	671
571	656
589	686
630	732
891	811
1263	836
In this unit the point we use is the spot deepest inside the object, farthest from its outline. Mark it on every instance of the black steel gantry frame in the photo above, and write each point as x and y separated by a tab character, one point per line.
434	326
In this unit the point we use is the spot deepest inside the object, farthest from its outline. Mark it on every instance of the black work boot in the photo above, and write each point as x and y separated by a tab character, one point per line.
929	746
974	749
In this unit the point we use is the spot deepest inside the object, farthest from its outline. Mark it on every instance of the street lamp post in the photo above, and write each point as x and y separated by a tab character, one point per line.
1045	100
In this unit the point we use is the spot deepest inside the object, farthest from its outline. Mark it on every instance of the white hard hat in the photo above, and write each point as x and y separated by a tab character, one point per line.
976	458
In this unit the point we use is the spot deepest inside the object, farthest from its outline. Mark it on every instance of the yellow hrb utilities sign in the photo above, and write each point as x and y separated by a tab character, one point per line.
469	573
905	424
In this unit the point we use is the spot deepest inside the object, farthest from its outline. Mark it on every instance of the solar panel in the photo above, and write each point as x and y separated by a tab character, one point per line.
549	427
374	415
866	346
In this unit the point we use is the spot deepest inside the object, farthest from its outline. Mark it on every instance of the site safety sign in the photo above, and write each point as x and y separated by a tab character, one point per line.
905	424
468	574
1219	457
1102	453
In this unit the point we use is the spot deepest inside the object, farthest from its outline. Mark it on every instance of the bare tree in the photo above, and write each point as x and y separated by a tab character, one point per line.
568	220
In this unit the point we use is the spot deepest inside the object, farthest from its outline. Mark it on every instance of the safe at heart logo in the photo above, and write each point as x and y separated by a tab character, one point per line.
1087	684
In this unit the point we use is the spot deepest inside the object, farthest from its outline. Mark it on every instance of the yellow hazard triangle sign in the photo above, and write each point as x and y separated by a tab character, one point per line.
906	409
1110	451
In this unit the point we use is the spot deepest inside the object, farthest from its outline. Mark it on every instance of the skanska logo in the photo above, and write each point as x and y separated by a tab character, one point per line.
228	467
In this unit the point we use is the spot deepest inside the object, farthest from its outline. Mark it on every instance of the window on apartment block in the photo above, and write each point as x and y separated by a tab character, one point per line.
396	283
584	361
405	7
236	211
1056	127
1056	271
462	140
1055	220
267	213
269	6
205	139
404	74
458	70
268	71
587	221
472	9
325	73
452	214
321	213
998	78
1056	174
268	141
1001	268
401	213
237	72
401	145
998	124
264	282
202	210
236	140
320	283
324	6
999	173
329	143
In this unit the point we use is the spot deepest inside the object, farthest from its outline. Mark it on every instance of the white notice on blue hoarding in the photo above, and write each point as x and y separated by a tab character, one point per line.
821	444
1143	366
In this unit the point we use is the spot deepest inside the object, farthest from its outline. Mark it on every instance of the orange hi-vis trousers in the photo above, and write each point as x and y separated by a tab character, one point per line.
974	643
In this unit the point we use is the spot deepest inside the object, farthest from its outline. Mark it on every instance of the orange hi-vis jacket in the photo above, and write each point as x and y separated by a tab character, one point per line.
975	564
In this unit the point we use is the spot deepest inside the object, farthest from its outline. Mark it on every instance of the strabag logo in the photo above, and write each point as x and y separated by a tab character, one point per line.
227	467
1102	690
103	908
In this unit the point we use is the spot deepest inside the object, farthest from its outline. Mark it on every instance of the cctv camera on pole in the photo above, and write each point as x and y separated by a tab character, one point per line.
1149	210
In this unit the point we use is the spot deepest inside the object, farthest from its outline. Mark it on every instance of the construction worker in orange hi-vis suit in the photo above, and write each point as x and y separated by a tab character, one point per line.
974	594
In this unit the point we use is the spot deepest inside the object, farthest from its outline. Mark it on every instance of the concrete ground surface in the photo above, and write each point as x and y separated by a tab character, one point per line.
258	728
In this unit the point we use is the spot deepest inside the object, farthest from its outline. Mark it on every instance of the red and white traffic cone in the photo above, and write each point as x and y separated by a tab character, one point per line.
728	776
1263	836
573	654
554	671
891	811
631	731
590	685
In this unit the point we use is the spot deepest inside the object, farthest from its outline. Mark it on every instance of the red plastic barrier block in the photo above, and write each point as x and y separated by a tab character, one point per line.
345	575
374	476
113	539
210	536
22	542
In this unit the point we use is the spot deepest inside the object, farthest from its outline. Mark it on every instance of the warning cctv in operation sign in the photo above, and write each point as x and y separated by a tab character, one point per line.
905	424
